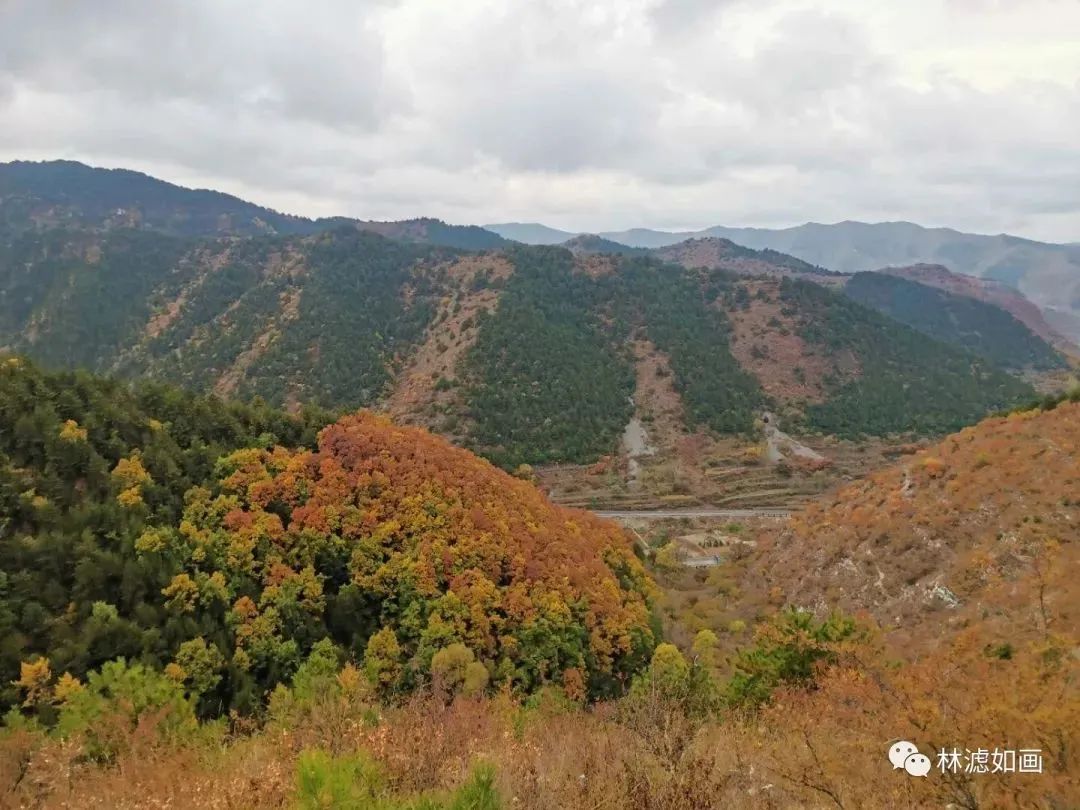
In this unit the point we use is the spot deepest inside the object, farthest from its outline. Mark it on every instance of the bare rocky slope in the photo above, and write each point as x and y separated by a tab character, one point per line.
984	525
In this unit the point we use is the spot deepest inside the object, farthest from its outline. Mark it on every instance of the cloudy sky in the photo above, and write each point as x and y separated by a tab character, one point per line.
583	115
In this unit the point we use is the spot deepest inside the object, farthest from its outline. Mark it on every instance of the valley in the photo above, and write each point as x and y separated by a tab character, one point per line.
734	464
392	557
618	379
405	515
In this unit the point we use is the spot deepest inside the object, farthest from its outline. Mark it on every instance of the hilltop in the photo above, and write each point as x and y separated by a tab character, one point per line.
67	194
723	254
992	292
531	233
590	243
157	526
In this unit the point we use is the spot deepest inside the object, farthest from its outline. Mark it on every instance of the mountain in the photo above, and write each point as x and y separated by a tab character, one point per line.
1048	274
1064	322
427	231
723	254
530	233
65	193
983	329
713	254
992	292
590	243
526	354
648	238
40	196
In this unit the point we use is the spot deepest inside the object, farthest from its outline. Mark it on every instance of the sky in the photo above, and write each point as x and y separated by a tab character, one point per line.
590	116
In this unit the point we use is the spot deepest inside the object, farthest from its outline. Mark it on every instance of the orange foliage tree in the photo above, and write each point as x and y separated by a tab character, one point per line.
390	530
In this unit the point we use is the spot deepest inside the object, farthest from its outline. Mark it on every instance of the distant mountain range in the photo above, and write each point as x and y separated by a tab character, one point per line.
1048	274
526	353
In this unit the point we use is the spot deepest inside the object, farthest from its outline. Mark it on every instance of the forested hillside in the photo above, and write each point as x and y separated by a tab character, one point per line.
72	194
992	292
77	299
525	354
381	620
543	371
905	382
220	544
683	315
546	381
86	465
316	320
977	327
66	194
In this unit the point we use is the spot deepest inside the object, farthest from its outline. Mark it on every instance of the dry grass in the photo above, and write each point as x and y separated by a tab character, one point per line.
821	748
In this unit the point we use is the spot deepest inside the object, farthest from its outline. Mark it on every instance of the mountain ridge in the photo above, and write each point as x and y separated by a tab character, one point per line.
994	292
1046	273
462	332
44	194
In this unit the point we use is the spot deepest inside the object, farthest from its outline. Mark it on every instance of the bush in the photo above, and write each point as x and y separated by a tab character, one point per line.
341	783
789	650
455	669
354	782
117	700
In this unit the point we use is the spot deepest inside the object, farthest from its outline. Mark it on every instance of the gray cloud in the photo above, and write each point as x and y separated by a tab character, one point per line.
263	58
592	115
686	17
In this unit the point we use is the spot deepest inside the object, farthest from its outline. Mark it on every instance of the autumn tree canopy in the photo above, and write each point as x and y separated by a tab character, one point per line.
399	547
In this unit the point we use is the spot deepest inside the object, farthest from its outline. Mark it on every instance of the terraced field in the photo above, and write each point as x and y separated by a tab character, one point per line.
715	473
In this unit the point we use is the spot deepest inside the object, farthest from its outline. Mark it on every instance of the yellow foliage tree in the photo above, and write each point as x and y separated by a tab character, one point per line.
382	660
71	432
34	678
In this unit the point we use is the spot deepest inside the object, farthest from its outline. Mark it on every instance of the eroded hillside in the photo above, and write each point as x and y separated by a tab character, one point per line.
985	524
526	354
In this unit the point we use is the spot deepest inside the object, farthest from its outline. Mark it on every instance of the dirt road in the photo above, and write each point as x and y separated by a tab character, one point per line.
691	512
